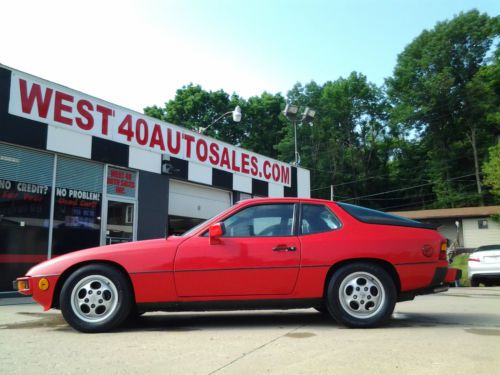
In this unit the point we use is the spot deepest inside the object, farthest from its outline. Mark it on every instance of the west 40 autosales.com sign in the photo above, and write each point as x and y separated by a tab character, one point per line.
64	108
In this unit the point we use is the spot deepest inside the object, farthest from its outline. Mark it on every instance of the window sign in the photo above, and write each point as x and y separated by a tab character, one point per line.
25	193
121	182
77	207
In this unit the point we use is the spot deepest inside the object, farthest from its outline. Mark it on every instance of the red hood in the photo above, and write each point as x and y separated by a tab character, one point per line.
140	256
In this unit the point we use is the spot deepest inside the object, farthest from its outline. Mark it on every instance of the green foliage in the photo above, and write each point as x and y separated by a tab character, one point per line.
422	137
445	94
460	262
196	108
491	169
262	123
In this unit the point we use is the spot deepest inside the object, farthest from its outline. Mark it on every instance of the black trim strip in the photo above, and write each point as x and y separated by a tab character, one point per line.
236	269
415	263
225	305
139	272
231	269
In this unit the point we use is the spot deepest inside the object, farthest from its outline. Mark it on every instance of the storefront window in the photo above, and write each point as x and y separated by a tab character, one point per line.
25	192
77	206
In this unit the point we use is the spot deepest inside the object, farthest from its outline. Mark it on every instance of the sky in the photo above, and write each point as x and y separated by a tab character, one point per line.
137	53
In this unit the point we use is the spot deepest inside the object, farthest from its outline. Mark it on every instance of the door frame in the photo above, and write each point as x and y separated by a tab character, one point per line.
116	198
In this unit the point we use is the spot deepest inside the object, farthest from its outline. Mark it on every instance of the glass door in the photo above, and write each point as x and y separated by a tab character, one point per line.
120	206
120	222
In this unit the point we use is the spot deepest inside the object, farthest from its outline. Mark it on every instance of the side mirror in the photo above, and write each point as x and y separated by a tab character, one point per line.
216	230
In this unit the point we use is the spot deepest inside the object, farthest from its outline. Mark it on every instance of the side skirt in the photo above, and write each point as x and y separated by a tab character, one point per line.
263	304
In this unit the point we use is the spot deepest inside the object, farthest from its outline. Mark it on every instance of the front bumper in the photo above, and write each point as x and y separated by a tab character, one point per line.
40	288
23	285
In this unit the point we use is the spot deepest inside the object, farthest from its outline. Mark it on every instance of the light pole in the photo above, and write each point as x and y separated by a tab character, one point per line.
290	113
236	118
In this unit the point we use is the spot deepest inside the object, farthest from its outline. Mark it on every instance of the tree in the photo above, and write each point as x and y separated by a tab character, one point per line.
195	108
263	123
440	97
491	169
347	139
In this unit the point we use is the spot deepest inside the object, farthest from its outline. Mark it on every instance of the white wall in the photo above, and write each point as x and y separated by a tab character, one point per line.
303	183
474	237
191	200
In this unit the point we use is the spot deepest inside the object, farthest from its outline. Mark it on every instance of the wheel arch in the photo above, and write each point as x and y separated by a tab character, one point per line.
64	276
387	266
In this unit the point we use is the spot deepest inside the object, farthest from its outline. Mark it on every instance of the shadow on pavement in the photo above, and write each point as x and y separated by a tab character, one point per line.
185	322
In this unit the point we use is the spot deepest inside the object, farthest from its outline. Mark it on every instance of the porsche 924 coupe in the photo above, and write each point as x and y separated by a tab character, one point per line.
350	262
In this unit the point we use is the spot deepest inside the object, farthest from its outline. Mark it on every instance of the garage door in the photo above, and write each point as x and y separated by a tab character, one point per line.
196	201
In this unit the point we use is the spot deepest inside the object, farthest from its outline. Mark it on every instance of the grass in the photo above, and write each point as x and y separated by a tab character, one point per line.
460	262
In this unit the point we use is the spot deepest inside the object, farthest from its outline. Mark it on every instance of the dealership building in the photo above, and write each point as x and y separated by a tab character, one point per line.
78	172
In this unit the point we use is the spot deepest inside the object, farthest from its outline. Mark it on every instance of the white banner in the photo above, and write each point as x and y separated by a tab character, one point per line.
59	106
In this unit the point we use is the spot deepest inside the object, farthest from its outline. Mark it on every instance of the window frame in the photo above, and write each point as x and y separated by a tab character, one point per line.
295	207
299	222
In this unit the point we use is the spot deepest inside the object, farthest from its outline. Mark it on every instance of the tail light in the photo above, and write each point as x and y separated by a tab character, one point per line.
442	251
471	259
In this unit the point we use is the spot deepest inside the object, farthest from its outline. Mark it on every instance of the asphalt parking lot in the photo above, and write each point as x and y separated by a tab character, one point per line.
457	332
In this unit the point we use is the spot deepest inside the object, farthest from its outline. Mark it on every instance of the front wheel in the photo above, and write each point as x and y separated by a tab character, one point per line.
361	295
95	298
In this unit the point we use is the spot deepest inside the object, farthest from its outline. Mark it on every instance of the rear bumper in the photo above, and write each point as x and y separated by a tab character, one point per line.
452	275
479	275
442	278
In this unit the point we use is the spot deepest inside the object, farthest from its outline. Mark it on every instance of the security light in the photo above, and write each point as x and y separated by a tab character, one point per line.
308	114
237	114
291	111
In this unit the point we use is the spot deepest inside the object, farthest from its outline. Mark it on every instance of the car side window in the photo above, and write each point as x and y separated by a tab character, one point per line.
317	218
267	220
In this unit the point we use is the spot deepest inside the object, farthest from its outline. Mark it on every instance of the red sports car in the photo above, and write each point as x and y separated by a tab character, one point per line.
351	262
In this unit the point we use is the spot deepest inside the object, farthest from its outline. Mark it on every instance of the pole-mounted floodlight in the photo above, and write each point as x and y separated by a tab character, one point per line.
290	112
308	114
236	118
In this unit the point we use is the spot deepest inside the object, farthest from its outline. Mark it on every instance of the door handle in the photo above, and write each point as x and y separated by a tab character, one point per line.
284	248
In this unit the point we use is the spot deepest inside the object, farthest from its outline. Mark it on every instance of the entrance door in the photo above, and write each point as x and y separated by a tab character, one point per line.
120	222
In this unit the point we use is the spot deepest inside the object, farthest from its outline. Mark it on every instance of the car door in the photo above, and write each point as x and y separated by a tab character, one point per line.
259	254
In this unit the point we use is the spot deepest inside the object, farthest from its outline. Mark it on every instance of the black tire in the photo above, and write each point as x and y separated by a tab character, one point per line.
361	295
474	283
96	298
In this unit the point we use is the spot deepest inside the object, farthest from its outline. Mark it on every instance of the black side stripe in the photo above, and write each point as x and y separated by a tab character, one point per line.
415	263
231	269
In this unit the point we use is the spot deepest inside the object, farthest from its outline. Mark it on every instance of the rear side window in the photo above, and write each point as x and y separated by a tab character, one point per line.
316	219
370	216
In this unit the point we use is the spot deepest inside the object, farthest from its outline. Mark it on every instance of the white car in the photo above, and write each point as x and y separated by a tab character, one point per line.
484	266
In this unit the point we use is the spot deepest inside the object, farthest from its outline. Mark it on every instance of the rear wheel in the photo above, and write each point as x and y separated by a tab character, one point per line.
361	295
96	298
474	282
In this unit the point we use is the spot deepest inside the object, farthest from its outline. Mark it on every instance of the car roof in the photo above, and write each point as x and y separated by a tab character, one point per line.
283	200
